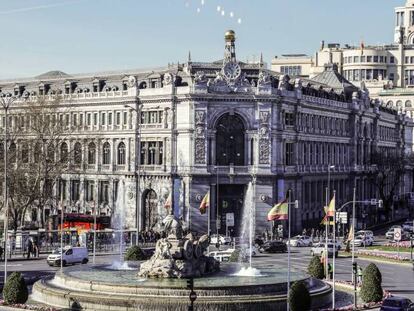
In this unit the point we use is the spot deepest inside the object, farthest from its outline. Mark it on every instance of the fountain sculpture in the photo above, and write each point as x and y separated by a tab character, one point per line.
177	256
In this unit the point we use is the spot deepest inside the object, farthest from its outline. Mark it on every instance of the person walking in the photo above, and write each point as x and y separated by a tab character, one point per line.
29	247
359	274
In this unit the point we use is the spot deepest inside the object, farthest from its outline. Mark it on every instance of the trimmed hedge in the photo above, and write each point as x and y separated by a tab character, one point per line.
299	297
316	269
15	291
135	253
371	289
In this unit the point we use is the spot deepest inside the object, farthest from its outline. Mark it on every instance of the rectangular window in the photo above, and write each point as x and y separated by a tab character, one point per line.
392	59
89	190
375	59
363	59
289	119
109	118
88	119
381	59
391	76
62	190
407	60
369	59
356	59
289	154
81	119
95	119
118	118
125	119
103	119
75	191
103	192
75	120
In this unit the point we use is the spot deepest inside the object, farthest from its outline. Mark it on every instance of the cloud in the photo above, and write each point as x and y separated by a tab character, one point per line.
39	7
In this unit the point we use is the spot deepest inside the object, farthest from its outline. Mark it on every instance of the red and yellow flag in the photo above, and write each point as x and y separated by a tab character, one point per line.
329	213
167	204
205	203
279	211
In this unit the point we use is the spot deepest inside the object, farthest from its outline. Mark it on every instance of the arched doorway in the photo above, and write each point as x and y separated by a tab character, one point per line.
230	133
150	204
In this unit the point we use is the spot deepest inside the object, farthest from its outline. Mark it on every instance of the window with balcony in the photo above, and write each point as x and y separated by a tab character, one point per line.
89	190
77	153
75	190
106	156
121	154
103	192
91	153
152	153
151	117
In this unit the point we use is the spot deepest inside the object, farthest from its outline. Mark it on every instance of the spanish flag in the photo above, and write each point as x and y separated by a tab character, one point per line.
205	203
167	204
279	211
329	213
362	46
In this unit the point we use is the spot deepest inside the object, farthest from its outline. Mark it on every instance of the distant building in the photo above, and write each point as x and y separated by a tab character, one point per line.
220	127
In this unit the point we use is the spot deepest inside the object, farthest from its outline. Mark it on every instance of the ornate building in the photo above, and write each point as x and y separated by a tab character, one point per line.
216	127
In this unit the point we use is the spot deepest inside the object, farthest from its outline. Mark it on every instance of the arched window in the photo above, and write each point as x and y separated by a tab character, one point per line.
12	153
25	153
1	152
37	153
77	153
230	133
50	152
399	104
91	153
121	154
106	159
408	104
64	152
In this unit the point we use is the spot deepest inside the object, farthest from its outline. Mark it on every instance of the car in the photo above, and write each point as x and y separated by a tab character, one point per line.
319	250
222	256
221	239
300	241
397	304
245	249
273	247
362	240
338	244
368	233
390	233
71	255
408	226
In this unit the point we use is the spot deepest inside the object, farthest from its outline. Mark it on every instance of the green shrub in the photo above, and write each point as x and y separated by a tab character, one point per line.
135	253
15	291
299	297
371	289
316	269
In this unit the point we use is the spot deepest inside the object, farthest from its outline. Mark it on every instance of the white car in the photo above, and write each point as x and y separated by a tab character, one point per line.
361	240
337	244
300	241
390	232
71	255
222	256
319	250
367	233
221	239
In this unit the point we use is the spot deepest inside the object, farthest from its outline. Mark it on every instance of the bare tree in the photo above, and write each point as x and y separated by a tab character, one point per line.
391	167
38	156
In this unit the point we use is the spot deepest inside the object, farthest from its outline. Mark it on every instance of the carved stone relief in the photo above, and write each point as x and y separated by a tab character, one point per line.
264	137
200	137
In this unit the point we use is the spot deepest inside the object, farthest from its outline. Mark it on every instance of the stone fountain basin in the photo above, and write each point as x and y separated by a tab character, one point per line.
98	288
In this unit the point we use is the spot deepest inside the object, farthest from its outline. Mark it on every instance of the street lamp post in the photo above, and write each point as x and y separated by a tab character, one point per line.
327	222
6	101
137	110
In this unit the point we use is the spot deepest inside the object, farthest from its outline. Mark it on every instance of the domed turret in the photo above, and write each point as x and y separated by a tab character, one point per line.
230	36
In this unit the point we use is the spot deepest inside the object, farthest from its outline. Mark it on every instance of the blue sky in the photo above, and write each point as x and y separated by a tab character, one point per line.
97	35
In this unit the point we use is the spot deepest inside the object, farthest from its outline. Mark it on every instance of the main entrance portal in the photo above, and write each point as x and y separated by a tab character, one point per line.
230	198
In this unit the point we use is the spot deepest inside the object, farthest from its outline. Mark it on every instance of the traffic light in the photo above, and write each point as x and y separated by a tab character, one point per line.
190	284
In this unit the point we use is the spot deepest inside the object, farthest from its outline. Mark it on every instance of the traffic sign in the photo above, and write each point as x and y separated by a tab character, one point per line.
230	219
397	234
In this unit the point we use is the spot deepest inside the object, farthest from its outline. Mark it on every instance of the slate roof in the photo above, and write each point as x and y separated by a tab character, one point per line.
334	79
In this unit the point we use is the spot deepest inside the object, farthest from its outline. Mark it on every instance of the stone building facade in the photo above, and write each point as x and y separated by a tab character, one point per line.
221	127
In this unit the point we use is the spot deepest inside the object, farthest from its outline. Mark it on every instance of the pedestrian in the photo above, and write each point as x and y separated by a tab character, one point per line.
359	274
29	247
330	271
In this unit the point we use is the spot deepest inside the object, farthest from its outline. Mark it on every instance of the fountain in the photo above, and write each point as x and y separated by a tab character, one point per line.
160	283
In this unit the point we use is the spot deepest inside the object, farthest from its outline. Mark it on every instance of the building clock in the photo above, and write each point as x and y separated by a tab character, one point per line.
231	70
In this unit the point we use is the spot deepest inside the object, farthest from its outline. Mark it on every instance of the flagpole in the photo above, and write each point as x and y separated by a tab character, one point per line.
217	205
353	228
333	257
288	246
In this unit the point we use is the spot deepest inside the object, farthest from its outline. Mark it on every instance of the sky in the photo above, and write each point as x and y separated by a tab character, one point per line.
81	36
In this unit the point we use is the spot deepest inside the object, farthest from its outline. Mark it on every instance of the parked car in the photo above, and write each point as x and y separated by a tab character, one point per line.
221	239
319	250
273	247
337	244
367	233
408	226
71	255
363	240
390	233
397	304
222	256
300	241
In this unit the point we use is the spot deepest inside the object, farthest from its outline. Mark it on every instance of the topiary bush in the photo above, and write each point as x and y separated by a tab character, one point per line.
299	297
316	269
15	291
371	289
135	253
